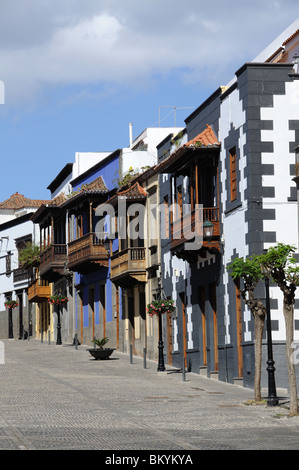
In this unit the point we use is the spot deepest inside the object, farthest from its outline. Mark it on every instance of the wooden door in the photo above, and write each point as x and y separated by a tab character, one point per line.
103	306
179	215
184	327
81	316
239	327
91	308
131	317
180	201
202	304
212	293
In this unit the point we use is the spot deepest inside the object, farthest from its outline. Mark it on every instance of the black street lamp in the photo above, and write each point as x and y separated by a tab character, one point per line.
10	323
272	399
161	365
58	340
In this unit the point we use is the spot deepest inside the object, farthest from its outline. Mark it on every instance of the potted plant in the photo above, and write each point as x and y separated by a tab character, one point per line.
11	304
100	352
58	299
157	307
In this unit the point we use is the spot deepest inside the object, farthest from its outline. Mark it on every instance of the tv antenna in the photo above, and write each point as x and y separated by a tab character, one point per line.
174	112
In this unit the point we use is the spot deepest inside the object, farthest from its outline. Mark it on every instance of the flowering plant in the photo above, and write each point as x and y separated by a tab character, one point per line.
11	304
160	306
57	299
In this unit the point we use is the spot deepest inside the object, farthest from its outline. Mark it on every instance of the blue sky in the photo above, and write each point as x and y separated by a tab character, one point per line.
77	72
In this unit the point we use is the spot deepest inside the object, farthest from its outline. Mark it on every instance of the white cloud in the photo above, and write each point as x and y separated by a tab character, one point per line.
128	41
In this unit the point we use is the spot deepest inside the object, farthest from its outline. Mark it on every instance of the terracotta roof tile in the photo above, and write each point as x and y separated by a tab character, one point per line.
133	192
290	38
18	201
56	201
205	138
96	185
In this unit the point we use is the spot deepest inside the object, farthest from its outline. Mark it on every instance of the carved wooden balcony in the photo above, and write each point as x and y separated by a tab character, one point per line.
87	254
128	267
20	275
38	292
182	233
52	262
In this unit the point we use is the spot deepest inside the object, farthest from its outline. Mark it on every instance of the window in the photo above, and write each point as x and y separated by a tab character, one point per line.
233	174
180	201
8	263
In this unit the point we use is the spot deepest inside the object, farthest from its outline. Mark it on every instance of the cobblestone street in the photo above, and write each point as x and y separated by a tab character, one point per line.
59	398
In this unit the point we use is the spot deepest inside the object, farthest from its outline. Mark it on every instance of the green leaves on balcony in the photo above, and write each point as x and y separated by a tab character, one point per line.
29	255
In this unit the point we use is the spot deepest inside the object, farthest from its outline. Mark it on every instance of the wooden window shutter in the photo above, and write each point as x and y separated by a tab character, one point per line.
8	263
233	174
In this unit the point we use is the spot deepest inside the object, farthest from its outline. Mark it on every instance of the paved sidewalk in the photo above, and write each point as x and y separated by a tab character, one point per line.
56	397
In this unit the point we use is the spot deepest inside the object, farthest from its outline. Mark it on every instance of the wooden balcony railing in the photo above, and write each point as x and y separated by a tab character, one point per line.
87	253
52	262
20	274
128	266
37	292
183	229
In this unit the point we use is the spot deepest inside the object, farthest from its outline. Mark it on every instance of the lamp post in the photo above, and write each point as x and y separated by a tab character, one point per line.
58	340
161	365
272	399
10	323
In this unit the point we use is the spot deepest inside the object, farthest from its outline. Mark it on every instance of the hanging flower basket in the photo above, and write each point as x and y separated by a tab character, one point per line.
11	304
58	299
157	307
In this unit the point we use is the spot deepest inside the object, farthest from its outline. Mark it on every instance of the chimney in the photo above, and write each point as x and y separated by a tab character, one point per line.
131	134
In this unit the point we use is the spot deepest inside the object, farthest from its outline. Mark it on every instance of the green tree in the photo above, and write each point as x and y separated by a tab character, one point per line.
250	273
29	255
280	264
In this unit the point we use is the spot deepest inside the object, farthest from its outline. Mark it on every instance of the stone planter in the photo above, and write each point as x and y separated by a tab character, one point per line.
101	353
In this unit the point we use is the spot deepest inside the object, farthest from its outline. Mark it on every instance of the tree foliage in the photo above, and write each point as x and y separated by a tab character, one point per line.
249	271
125	180
280	265
29	255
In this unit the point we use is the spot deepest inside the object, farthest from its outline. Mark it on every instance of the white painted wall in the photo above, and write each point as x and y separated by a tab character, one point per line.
285	108
8	244
151	137
86	160
6	215
235	226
